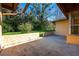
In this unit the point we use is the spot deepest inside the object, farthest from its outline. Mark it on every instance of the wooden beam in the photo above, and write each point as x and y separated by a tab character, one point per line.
25	8
7	14
10	6
15	6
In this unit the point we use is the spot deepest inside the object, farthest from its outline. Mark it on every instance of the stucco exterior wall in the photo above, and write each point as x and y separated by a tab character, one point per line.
62	27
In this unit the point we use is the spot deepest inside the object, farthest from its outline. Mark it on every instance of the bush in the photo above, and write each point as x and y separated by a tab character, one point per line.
50	27
6	28
27	27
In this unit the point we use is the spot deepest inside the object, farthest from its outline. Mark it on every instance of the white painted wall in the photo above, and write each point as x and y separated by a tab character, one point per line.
13	40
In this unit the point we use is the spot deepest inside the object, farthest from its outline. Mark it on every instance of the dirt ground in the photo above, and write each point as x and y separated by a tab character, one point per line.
47	46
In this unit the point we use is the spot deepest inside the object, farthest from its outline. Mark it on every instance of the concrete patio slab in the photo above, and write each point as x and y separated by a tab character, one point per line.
47	46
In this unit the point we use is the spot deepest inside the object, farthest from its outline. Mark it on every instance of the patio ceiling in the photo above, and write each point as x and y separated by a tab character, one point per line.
10	6
68	7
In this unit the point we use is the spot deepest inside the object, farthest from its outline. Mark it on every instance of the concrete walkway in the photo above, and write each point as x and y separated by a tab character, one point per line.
47	46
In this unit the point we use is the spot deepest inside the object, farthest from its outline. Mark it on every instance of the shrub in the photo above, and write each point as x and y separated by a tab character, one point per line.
27	27
50	27
6	28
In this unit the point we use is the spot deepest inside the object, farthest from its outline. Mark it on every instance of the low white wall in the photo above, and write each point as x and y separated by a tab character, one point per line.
13	40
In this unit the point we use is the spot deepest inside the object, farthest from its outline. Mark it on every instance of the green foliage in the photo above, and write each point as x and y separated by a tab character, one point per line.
39	9
50	27
33	21
27	27
7	28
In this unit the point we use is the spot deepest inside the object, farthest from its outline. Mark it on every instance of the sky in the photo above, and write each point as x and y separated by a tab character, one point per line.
54	13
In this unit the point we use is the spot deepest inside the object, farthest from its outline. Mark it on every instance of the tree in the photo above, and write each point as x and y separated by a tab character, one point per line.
39	12
35	19
50	27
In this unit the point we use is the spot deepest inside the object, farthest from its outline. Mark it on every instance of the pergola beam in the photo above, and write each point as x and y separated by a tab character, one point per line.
7	14
10	6
25	8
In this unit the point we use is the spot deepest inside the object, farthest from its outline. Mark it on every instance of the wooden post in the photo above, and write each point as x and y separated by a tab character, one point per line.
70	18
0	26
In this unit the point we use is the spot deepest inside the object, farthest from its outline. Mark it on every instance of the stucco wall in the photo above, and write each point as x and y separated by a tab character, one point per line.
62	28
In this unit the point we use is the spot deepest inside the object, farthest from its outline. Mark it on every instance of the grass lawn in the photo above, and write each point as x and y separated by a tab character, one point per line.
12	33
16	33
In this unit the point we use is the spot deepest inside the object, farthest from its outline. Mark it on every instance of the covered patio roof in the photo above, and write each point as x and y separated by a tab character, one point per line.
68	7
10	6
